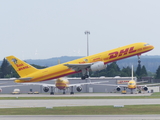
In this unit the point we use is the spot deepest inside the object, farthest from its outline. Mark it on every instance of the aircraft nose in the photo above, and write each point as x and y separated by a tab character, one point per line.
152	46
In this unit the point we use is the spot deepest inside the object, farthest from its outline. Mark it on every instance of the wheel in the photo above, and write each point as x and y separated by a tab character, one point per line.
83	77
51	93
86	76
72	93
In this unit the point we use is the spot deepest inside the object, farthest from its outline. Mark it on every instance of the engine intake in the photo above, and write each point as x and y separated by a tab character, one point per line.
79	89
97	66
46	89
118	88
145	88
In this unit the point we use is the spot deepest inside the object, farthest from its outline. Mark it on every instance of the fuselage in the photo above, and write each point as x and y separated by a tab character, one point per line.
132	84
61	83
61	70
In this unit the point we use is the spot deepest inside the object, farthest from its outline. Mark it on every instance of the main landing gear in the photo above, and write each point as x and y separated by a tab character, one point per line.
71	90
131	91
52	91
139	61
84	77
85	74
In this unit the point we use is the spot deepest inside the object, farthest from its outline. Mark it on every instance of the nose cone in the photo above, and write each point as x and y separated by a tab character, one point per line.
147	48
152	47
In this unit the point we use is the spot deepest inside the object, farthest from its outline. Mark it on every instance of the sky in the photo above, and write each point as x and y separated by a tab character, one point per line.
42	29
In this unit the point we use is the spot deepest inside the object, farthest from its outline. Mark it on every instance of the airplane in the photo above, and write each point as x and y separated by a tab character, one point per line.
94	62
132	84
62	84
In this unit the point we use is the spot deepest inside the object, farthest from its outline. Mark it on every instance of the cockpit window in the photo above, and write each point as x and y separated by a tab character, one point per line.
146	44
131	83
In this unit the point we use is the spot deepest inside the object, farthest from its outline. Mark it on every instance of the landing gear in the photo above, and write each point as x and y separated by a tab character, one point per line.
64	92
85	73
84	77
71	90
51	93
131	91
139	61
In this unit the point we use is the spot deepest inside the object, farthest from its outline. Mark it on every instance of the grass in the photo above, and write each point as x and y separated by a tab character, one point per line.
154	95
85	110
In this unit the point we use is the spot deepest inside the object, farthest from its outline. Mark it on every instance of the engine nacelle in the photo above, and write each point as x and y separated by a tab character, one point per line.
79	88
46	89
118	88
97	66
145	88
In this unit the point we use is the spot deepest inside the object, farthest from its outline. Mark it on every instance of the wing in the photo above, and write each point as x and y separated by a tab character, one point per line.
89	83
78	67
148	85
53	85
114	85
42	84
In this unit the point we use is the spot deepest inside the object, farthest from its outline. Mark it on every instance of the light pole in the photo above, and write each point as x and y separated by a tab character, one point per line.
87	33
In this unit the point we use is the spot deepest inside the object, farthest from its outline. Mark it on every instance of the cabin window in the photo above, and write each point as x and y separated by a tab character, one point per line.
146	44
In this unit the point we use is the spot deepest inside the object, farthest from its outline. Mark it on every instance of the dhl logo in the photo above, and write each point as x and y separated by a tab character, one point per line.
122	81
21	66
121	52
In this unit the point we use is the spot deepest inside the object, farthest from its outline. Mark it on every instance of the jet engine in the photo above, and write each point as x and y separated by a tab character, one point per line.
79	88
46	89
97	66
118	88
145	88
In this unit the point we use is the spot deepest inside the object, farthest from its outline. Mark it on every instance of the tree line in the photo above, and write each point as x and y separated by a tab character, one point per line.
112	70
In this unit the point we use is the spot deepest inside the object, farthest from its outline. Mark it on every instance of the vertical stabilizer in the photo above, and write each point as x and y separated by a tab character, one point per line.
132	72
21	67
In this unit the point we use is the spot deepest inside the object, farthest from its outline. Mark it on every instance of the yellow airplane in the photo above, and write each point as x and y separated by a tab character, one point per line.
132	84
95	62
62	84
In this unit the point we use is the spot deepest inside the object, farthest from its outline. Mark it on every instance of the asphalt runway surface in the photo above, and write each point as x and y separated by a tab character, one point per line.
73	102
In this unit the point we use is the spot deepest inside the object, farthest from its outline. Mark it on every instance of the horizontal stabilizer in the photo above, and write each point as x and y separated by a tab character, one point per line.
12	79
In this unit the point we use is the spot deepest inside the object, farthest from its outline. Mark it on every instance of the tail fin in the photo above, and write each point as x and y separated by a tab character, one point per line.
132	72
21	67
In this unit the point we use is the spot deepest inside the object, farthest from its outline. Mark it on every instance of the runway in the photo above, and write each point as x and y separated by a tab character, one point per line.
76	102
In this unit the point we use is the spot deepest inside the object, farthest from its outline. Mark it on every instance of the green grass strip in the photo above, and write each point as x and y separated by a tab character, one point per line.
153	96
85	110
